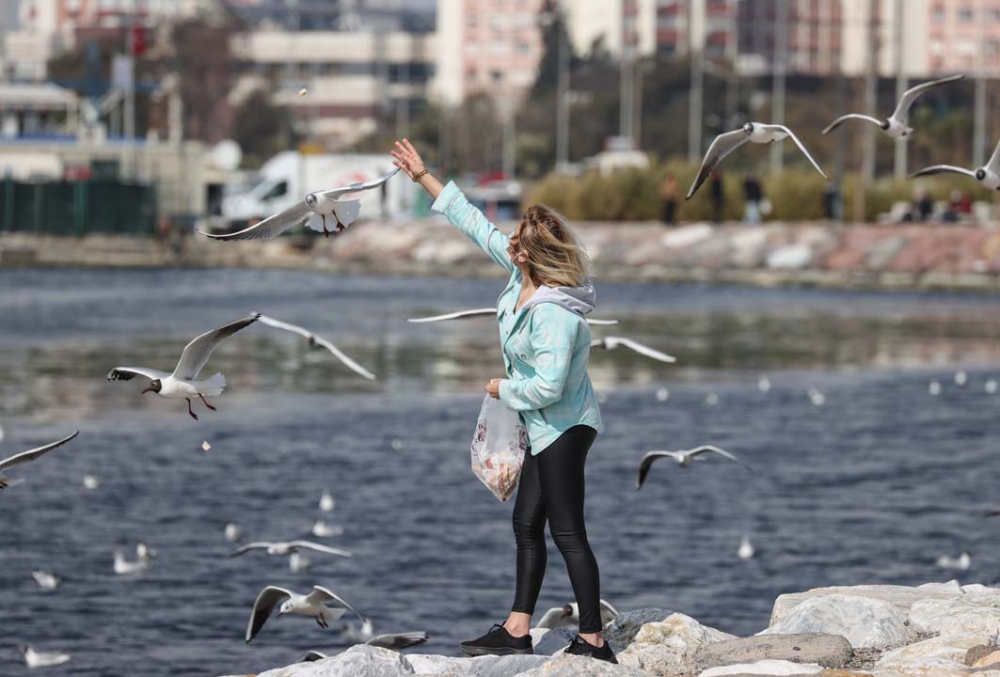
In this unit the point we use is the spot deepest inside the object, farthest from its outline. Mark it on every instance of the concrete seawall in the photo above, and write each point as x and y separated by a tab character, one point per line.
915	256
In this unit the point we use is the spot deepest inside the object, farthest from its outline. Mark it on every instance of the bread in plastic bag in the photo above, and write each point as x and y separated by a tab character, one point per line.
498	447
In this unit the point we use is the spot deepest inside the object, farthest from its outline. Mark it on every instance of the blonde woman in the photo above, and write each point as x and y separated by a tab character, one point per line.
545	342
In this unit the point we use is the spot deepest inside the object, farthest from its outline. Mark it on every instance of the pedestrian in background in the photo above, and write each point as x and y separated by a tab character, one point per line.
717	194
668	194
753	193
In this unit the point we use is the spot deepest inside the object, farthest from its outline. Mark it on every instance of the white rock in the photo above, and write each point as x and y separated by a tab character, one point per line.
765	667
931	667
863	621
669	646
686	236
358	661
621	631
430	664
900	596
979	587
791	257
950	617
578	666
952	587
947	647
481	666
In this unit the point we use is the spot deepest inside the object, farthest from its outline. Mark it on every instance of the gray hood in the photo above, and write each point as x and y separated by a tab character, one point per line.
579	300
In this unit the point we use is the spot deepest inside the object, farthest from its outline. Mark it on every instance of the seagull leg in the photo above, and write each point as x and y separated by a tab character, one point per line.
206	402
340	226
193	415
325	231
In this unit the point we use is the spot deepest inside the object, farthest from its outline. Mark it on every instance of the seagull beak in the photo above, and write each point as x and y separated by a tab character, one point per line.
147	389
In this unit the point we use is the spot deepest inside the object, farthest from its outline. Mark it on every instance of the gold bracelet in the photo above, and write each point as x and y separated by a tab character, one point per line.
419	175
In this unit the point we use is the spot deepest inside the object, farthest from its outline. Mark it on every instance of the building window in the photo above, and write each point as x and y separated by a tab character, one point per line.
966	15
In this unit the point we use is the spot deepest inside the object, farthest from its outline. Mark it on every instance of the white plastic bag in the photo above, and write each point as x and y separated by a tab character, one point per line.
498	447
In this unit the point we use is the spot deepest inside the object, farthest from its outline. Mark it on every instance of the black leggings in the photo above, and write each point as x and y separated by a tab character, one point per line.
551	487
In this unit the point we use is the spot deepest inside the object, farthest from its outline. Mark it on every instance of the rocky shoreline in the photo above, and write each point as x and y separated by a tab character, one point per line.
932	630
914	256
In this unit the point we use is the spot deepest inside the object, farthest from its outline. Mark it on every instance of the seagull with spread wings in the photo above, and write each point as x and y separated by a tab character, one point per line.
895	126
988	176
752	132
182	384
610	343
313	604
683	459
322	203
280	549
482	312
318	342
27	457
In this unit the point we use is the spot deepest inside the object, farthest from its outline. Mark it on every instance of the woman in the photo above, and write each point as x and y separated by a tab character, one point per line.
546	345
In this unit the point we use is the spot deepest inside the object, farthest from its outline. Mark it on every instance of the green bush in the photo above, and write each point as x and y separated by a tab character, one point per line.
796	194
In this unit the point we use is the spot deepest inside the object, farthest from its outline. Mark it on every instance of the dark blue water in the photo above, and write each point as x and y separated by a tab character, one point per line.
870	487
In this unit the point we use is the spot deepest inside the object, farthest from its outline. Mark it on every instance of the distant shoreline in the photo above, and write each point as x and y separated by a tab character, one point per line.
941	257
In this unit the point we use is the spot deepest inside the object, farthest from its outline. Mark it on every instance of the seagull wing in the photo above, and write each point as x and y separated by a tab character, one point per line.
943	169
321	595
357	187
710	449
457	315
598	343
312	656
278	324
647	462
272	226
723	145
602	323
129	373
197	352
398	641
641	349
910	95
801	147
32	454
267	600
243	549
351	364
852	116
994	164
320	548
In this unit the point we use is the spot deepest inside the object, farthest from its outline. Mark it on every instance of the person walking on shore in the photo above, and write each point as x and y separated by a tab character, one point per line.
545	342
668	194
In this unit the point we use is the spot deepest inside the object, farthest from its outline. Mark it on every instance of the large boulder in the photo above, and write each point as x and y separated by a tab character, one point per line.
579	666
481	666
621	631
358	661
930	667
668	647
829	651
766	667
863	621
955	616
952	648
900	596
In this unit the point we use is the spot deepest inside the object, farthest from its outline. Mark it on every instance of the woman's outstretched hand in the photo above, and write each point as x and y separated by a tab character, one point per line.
407	158
493	388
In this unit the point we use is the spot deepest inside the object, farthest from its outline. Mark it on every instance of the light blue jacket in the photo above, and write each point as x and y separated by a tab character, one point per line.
546	343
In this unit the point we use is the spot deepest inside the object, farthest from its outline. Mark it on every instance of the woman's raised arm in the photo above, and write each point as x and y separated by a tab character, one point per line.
450	201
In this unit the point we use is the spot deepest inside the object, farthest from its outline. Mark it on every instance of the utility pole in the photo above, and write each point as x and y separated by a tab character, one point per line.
901	85
562	97
695	53
979	133
871	91
626	116
780	66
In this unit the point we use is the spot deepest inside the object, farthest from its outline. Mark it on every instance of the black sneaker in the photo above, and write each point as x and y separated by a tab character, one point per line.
581	647
497	642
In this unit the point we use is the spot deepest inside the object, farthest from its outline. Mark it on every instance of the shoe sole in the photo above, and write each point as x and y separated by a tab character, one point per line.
499	651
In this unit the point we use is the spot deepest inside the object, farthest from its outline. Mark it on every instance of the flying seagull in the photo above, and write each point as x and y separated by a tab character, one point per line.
611	342
287	602
568	616
181	385
366	635
287	548
754	132
27	457
476	312
318	341
895	126
683	459
322	203
988	176
41	659
327	502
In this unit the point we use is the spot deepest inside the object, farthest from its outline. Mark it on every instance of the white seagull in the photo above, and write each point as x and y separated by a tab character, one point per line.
479	312
322	203
123	567
962	563
233	532
27	457
745	550
683	459
182	383
297	563
611	342
287	602
366	635
287	548
318	341
39	659
320	529
568	616
988	176
46	580
326	502
753	132
90	482
895	126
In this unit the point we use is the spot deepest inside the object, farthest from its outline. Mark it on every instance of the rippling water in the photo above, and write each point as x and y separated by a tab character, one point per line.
870	487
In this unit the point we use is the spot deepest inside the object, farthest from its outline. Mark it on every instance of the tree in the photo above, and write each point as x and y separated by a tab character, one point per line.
261	128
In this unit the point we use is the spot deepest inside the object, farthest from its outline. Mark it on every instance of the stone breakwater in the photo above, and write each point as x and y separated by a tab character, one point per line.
916	256
933	630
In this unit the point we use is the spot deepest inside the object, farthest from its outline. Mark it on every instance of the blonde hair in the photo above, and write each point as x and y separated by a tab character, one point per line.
556	256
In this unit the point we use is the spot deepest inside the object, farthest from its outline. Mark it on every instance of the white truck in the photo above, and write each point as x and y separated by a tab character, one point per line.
289	176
